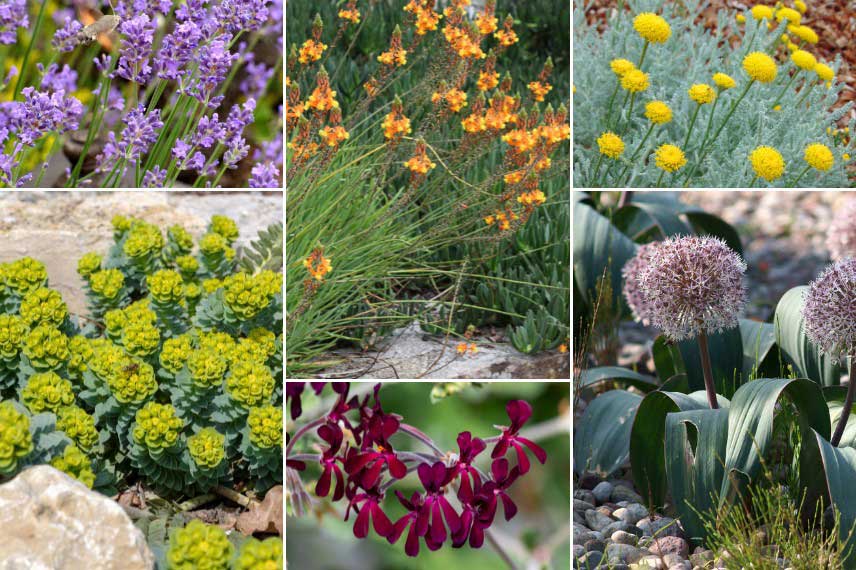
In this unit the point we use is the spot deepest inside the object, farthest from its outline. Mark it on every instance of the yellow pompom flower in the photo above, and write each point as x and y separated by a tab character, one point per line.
157	426
265	426
16	442
47	392
260	555
73	462
800	6
723	81
621	66
669	157
207	448
819	156
761	12
741	19
658	112
788	14
79	426
760	67
803	59
199	545
702	93
634	81
804	33
824	72
767	163
652	27
610	145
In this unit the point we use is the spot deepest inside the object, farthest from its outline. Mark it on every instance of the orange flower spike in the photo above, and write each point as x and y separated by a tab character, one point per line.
396	55
489	220
334	135
311	51
514	177
395	123
546	71
507	36
456	99
472	348
419	163
505	84
486	21
317	27
322	98
350	12
461	348
293	106
488	76
539	90
317	265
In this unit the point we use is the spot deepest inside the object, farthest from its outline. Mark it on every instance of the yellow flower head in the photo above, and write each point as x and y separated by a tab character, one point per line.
760	67
265	426
789	14
824	72
767	163
741	19
819	156
723	81
800	6
803	59
702	93
652	27
199	545
260	555
804	33
610	145
669	158
658	112
621	66
634	81
761	12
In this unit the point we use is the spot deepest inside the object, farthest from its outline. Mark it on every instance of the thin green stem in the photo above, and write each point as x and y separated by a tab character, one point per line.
23	72
692	124
785	88
799	176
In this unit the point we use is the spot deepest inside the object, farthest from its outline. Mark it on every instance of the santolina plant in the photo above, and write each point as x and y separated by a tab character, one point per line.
361	466
142	94
174	378
756	110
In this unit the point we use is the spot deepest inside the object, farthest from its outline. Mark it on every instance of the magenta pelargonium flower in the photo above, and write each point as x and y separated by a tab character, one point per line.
830	309
364	463
691	285
841	235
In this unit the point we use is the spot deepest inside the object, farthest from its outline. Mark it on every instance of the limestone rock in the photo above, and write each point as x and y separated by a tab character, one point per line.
53	522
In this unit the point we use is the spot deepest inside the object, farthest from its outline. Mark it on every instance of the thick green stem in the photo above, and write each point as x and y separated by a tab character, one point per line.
709	385
848	404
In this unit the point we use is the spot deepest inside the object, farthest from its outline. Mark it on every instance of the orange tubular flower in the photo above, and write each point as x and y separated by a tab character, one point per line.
310	51
539	90
395	123
426	18
532	198
350	12
514	177
486	21
322	98
454	98
396	55
461	348
487	80
317	265
419	163
521	139
475	123
334	135
506	36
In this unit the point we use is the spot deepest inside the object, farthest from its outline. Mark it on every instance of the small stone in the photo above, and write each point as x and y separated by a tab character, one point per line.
603	492
659	527
579	518
622	537
632	513
586	496
701	556
672	560
597	520
605	510
622	554
670	545
591	559
594	544
623	493
582	505
621	525
582	533
651	563
579	551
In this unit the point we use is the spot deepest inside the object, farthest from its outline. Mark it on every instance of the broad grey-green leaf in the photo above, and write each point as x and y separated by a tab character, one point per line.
695	450
750	425
808	361
726	356
758	340
602	436
647	455
594	376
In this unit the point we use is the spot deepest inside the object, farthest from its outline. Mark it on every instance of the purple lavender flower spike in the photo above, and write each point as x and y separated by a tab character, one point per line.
633	293
841	236
13	15
264	175
214	61
138	35
65	38
56	79
177	49
256	79
154	178
693	285
237	15
139	134
42	113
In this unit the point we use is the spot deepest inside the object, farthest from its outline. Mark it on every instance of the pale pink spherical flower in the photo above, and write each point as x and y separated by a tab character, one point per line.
693	284
631	271
830	309
841	235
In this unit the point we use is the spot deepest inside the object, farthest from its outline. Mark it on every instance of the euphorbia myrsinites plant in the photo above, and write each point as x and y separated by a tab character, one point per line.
357	453
688	287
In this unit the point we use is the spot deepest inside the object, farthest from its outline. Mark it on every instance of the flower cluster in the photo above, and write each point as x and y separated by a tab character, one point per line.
79	426
76	464
46	347
15	439
247	295
207	448
199	545
365	470
260	554
157	426
43	307
250	383
830	309
47	392
265	423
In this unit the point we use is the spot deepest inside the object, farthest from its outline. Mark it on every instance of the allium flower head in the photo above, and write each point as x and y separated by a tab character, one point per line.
631	271
841	236
760	67
691	285
830	309
652	27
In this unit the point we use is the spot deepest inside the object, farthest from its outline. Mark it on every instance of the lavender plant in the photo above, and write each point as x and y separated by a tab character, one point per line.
145	95
175	375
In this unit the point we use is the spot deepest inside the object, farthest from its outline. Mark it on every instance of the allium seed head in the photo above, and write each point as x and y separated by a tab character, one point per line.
841	236
830	309
691	285
632	292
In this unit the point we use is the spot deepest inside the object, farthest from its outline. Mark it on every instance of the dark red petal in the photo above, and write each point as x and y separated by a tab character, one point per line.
296	409
499	469
361	525
464	439
452	517
509	506
438	530
522	460
476	536
500	448
317	387
478	446
536	449
465	493
396	468
411	547
322	487
438	473
382	524
340	483
424	472
422	520
371	474
357	461
398	528
460	536
519	411
390	426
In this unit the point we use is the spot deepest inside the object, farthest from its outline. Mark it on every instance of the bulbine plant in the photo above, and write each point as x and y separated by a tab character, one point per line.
458	502
752	104
175	376
142	95
422	175
704	430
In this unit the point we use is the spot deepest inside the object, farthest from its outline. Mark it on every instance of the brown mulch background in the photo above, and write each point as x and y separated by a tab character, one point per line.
833	20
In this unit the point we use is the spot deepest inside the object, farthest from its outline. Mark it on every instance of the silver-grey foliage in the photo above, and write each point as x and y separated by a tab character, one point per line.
692	55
